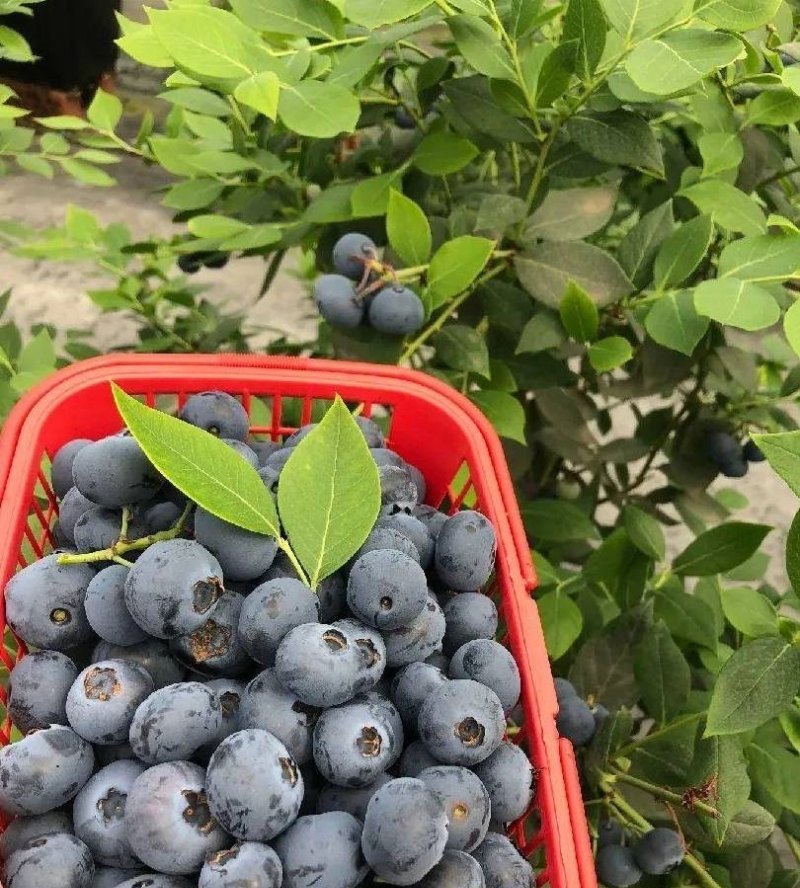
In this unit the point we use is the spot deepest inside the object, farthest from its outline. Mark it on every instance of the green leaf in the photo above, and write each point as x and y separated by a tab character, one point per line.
720	549
329	495
774	108
562	622
260	92
463	348
620	137
442	153
298	18
578	313
682	252
541	332
214	227
572	213
662	673
37	165
687	616
722	759
732	209
319	109
640	245
791	326
544	270
637	18
202	467
201	101
63	122
586	23
503	411
790	722
556	73
782	449
736	303
734	15
749	612
37	355
476	105
374	13
764	258
758	682
674	323
793	553
85	172
371	196
778	771
105	112
455	265
680	58
720	152
609	353
557	521
408	229
645	533
481	46
13	46
498	212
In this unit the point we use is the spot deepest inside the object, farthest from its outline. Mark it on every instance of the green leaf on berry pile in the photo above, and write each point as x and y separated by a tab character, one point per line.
330	494
503	411
721	759
682	252
749	612
758	682
208	471
456	265
408	229
720	549
579	314
674	322
562	622
662	673
782	450
609	353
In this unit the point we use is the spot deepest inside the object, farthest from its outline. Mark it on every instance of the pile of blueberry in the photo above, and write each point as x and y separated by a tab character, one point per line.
731	457
358	293
202	719
620	865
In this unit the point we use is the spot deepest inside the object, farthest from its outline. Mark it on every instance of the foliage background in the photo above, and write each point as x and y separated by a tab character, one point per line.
598	205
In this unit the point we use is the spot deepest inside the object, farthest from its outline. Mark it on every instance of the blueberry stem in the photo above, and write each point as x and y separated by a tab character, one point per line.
659	792
284	546
126	517
122	545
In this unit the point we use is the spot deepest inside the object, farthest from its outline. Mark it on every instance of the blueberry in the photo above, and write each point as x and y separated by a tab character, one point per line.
387	589
337	301
38	688
382	708
267	705
415	530
216	260
599	714
99	813
158	517
106	610
255	787
616	867
510	781
263	449
215	648
43	770
246	865
659	851
112	876
575	721
469	616
466	801
191	263
419	482
455	870
319	664
246	452
152	654
735	468
352	799
172	589
404	119
61	469
462	723
174	722
725	452
103	699
351	252
45	604
396	310
56	861
609	832
115	472
117	752
564	689
99	528
279	458
270	611
503	866
322	851
415	759
25	829
170	826
397	486
371	431
352	747
418	640
491	664
73	505
155	880
405	831
228	693
387	538
243	554
465	551
411	686
383	456
752	452
332	595
218	413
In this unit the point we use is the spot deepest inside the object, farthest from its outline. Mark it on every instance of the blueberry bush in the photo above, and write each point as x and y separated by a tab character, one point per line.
583	217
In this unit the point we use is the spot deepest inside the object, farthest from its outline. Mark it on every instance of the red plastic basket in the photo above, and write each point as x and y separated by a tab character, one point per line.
432	426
